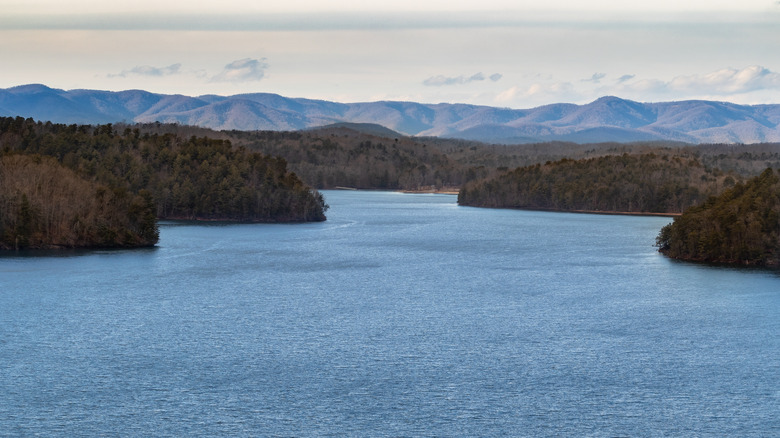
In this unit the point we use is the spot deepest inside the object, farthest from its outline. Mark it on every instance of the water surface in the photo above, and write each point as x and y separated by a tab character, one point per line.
402	315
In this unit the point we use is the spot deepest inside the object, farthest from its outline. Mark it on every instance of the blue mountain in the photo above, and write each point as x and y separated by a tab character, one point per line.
606	119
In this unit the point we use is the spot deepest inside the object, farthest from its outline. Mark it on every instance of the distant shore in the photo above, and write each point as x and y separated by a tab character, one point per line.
622	213
607	212
455	191
436	190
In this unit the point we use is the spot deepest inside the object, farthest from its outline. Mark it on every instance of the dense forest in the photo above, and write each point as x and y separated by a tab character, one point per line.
188	177
741	225
45	205
356	156
645	183
341	156
185	177
197	173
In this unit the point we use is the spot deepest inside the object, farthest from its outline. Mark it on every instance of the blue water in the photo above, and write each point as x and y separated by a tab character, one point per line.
402	315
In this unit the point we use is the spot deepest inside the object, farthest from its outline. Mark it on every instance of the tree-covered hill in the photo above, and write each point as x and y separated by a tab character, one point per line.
742	225
45	205
197	173
340	156
349	156
188	177
644	183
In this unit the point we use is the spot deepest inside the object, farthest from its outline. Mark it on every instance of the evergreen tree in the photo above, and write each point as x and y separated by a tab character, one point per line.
742	225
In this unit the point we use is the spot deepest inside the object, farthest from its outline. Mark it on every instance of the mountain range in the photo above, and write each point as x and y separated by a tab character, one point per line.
605	119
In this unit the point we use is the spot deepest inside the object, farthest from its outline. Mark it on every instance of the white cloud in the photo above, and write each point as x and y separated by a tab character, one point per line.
539	93
243	70
728	81
148	70
508	95
440	80
724	83
596	78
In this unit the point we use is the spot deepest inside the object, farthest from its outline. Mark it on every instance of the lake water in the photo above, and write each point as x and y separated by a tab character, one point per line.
402	315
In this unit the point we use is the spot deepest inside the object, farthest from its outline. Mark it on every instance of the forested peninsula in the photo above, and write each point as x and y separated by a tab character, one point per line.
45	205
642	183
180	177
740	226
189	172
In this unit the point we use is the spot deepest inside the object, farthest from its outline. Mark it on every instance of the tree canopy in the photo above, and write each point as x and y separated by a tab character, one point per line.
741	225
45	205
188	177
82	186
644	183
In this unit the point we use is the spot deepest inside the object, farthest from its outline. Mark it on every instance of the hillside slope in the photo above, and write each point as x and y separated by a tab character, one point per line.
740	226
642	183
605	119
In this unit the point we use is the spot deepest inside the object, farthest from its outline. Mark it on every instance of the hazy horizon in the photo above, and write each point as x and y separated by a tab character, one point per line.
494	52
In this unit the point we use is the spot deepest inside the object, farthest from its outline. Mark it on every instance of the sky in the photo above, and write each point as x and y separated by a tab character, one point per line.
515	54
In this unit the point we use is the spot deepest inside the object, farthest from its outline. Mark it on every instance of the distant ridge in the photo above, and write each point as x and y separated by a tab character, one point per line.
605	119
363	128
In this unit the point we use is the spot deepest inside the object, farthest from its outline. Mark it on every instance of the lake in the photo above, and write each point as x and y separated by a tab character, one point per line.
402	315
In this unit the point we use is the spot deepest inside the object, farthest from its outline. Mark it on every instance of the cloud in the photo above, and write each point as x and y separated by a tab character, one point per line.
540	93
729	81
729	84
148	70
441	80
242	70
596	78
508	95
723	82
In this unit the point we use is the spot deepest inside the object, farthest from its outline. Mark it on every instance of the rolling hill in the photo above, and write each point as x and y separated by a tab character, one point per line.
605	119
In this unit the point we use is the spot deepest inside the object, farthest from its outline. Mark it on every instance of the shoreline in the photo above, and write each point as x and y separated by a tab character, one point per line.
442	191
446	190
429	192
455	191
605	212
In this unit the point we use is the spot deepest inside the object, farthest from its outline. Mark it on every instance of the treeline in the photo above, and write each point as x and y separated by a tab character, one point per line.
353	156
185	177
45	205
644	183
345	157
742	225
341	157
